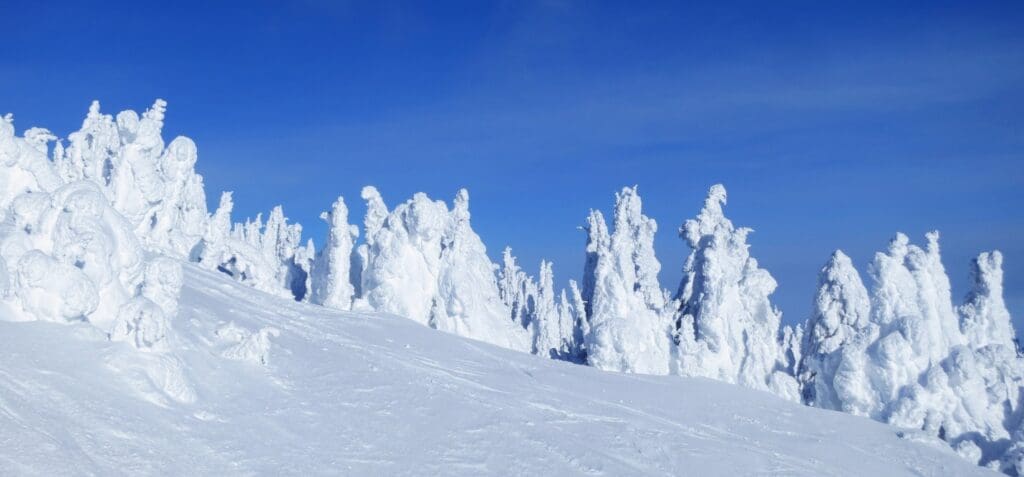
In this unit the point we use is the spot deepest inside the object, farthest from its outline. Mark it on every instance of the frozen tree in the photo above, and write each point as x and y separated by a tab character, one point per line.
518	291
574	324
92	152
548	335
332	286
424	262
267	256
785	381
373	220
176	221
727	328
841	315
403	257
23	167
917	327
971	398
985	319
628	322
556	322
67	253
155	189
597	243
468	287
915	362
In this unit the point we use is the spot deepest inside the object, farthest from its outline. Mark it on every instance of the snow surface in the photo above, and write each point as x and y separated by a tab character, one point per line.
372	394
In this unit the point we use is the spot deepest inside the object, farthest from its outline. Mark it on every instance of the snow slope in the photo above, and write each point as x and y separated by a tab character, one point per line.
256	384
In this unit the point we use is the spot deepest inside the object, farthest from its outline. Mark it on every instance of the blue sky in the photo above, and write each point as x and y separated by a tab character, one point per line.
831	126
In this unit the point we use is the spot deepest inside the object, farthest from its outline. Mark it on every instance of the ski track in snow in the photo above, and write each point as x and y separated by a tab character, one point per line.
371	394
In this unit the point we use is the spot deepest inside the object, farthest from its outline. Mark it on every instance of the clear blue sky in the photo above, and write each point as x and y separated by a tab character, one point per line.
831	126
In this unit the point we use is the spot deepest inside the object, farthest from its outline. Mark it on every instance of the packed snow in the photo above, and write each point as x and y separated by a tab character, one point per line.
193	342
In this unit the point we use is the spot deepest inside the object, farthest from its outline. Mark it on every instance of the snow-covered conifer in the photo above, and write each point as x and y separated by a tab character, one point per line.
267	256
841	315
984	317
727	328
518	291
331	270
425	262
573	316
548	337
628	323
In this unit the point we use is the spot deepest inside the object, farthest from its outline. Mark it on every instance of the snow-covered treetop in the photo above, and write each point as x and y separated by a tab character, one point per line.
912	295
376	212
710	218
634	234
841	306
986	320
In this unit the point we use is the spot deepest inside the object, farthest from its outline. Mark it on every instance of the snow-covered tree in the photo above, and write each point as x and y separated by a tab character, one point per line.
915	362
518	291
268	257
548	337
629	327
424	262
177	221
971	397
67	253
597	243
157	190
332	286
556	323
574	325
841	315
727	328
984	318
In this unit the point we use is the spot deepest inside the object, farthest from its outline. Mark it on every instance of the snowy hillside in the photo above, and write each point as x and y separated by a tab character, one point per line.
221	335
372	394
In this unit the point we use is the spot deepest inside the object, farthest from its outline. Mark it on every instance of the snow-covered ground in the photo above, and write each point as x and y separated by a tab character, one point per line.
256	384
